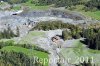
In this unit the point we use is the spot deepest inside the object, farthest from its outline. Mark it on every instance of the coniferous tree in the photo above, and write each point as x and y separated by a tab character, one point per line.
65	35
5	34
17	32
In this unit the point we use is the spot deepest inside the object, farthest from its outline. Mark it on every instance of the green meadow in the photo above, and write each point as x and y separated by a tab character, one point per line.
79	53
31	37
29	52
93	15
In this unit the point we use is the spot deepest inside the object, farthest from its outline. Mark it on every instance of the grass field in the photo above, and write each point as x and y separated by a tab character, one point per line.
88	14
93	15
32	37
29	52
16	8
35	7
32	7
38	7
81	54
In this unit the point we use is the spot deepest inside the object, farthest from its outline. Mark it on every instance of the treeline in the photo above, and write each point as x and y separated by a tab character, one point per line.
7	43
92	36
52	25
14	1
8	33
72	33
93	4
59	3
13	58
27	46
89	4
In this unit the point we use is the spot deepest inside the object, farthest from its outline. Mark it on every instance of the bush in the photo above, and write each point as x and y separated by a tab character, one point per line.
17	59
72	8
52	25
8	33
93	9
66	35
7	43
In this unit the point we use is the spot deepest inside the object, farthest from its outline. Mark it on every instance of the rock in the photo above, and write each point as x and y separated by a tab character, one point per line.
5	6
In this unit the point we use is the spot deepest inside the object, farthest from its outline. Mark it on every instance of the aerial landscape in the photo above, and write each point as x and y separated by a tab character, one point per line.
49	32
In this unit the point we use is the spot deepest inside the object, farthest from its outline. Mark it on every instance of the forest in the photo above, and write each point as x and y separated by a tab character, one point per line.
92	37
89	4
52	25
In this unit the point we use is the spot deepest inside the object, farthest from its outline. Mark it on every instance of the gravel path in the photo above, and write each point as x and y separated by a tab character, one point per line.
54	54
